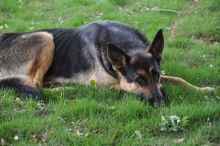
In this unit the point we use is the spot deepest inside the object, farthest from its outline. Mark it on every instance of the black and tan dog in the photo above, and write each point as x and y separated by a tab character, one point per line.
111	53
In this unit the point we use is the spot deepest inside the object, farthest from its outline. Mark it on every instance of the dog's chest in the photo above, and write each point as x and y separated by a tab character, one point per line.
98	74
101	77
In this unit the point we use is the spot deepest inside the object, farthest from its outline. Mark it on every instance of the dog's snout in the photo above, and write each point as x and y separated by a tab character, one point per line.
144	97
153	100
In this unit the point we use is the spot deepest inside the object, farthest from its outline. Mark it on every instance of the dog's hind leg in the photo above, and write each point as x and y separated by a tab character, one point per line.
25	62
42	62
181	81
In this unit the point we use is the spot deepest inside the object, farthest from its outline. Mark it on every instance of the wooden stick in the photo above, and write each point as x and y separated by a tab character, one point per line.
161	10
182	82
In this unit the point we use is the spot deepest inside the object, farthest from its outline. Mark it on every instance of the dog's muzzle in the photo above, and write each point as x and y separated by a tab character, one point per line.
154	100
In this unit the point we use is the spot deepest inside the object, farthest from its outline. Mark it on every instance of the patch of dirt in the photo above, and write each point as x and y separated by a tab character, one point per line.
209	38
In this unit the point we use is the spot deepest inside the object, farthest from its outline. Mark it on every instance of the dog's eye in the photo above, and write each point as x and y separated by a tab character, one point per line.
156	75
141	81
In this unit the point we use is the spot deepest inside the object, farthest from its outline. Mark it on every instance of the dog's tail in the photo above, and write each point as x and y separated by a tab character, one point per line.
181	81
19	85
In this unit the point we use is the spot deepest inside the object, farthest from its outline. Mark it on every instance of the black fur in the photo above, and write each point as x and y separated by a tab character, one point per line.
75	48
70	56
7	37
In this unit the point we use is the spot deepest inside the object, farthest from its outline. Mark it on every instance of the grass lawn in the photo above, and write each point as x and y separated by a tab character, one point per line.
89	116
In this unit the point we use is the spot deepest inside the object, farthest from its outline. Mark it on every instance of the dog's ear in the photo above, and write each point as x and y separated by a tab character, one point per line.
156	47
116	56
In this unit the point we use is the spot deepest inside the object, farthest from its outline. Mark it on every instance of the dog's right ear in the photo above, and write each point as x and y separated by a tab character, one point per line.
116	56
156	47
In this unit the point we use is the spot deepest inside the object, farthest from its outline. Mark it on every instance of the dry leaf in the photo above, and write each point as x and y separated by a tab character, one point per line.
116	139
173	29
178	140
34	137
138	134
45	137
79	133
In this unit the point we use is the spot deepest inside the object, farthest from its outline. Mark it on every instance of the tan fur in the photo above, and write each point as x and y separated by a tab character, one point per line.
133	60
132	87
124	85
98	74
42	62
29	59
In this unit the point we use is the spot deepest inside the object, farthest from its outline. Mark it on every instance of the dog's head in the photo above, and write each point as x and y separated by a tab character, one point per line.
139	72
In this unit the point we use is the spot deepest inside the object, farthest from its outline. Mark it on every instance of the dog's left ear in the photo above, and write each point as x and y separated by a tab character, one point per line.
156	47
116	56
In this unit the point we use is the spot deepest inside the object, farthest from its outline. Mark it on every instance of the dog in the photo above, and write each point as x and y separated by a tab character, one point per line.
111	53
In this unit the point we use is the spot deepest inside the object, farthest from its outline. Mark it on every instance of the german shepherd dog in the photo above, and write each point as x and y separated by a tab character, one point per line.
111	53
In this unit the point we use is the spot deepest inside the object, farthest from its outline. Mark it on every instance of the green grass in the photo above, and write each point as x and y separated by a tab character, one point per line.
89	116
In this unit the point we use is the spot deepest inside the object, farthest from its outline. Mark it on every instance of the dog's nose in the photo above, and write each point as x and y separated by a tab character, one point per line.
154	101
